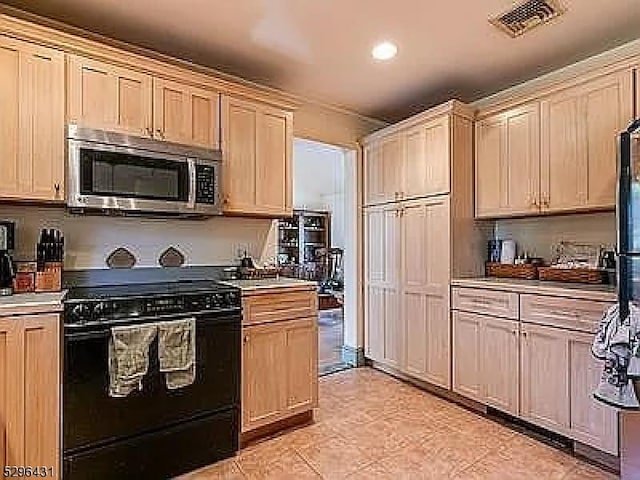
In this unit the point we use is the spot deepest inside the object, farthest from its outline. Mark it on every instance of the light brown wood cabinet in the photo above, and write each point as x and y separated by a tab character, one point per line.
109	97
545	377
117	99
424	286
185	114
557	153
591	422
579	130
32	121
486	360
407	287
410	163
279	363
508	162
536	365
30	391
384	328
257	142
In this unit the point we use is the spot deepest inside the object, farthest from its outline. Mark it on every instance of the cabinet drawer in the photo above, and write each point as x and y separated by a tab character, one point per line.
267	308
488	302
583	315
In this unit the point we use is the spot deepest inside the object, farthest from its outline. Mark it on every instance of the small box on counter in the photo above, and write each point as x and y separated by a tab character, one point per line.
25	279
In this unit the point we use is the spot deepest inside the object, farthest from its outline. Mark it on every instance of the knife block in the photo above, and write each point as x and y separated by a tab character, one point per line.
49	279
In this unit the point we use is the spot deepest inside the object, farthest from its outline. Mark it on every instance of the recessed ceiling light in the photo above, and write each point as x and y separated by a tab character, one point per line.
384	51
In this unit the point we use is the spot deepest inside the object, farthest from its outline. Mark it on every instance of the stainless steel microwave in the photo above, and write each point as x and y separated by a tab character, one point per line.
112	172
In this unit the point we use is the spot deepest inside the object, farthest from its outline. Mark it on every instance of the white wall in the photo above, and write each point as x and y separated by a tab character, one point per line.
319	183
538	235
90	239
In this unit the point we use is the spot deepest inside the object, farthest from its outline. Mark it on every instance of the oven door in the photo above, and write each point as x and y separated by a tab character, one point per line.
114	177
92	418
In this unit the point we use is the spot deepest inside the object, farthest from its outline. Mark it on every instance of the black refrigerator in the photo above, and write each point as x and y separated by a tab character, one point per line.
628	213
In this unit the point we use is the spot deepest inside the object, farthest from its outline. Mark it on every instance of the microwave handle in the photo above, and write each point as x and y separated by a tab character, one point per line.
192	183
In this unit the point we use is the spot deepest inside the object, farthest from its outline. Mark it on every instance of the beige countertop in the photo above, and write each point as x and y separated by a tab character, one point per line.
603	293
31	303
269	285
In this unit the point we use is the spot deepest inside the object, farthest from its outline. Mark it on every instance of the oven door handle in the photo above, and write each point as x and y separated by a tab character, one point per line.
91	335
193	183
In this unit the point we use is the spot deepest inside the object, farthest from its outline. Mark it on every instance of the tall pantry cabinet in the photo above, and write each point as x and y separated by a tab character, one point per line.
419	232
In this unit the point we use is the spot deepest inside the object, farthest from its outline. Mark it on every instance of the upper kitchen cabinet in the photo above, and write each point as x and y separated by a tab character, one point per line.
412	159
185	114
557	153
107	97
257	141
508	162
580	126
384	168
32	121
426	159
117	99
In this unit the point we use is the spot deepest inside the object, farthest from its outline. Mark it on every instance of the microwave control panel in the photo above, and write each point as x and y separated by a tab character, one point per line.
206	184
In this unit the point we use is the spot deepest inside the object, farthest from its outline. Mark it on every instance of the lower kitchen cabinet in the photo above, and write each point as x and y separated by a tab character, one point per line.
591	422
499	363
279	371
30	391
545	377
468	377
486	361
536	365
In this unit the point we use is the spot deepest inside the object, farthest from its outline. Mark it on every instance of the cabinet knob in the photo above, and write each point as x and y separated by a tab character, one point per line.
57	187
245	339
149	131
160	133
545	201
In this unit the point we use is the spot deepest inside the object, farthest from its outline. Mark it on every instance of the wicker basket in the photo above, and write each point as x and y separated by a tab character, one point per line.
508	270
572	275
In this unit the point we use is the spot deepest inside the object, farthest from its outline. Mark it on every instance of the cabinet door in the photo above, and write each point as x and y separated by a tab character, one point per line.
274	142
499	364
257	143
264	380
591	422
580	126
426	159
508	163
545	377
108	97
32	124
302	365
467	352
185	114
383	326
383	170
10	410
40	370
425	270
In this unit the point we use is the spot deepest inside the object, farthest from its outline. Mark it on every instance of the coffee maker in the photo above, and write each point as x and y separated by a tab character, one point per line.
7	244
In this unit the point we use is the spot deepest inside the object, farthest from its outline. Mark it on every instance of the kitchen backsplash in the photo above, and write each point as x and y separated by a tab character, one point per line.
90	239
538	235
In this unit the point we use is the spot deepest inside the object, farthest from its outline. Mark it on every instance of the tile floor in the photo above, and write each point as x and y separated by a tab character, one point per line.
331	338
372	426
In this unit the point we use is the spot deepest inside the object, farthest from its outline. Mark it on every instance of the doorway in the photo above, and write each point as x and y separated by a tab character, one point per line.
315	244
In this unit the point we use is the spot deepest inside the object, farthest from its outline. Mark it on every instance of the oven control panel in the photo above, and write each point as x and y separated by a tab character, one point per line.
104	310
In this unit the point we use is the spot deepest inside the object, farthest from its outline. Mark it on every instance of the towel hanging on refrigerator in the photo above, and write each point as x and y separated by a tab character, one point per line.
617	343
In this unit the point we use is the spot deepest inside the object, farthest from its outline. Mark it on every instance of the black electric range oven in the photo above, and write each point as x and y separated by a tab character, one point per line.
155	433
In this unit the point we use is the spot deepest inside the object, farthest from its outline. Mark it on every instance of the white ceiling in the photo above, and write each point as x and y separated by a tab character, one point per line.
321	48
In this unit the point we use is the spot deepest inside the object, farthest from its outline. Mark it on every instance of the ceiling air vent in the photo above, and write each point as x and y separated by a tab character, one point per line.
527	15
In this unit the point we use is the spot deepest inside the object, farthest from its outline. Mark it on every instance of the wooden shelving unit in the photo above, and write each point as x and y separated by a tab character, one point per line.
299	238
